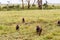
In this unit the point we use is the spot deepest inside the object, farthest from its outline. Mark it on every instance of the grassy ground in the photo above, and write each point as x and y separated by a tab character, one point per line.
47	19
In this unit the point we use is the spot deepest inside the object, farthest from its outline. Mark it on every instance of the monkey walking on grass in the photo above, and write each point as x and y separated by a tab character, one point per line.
38	30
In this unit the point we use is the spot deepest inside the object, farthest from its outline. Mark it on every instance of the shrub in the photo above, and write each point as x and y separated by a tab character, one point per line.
1	27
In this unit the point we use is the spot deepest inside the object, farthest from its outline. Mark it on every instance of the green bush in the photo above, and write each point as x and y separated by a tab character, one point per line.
1	27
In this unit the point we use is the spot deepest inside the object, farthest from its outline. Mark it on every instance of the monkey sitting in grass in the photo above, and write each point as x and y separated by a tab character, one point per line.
58	23
17	27
23	20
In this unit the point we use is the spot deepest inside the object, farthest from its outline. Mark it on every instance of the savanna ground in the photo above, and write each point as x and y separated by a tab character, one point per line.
47	19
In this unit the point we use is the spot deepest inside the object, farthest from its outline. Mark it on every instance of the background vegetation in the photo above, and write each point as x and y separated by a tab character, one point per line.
28	6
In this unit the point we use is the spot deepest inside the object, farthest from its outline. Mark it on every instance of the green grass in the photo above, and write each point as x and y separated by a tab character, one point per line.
47	19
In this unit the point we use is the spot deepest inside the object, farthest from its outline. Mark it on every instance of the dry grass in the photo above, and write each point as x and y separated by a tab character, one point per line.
47	19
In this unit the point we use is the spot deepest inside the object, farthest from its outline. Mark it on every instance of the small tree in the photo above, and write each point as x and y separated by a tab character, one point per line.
0	5
8	5
46	4
40	4
28	3
53	6
33	3
22	4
